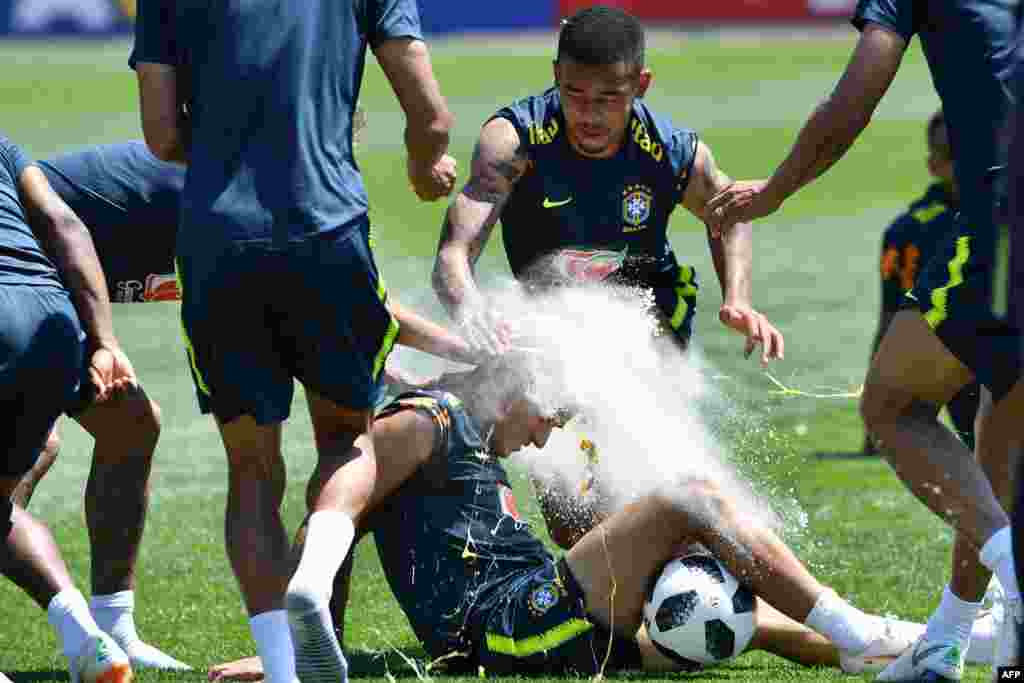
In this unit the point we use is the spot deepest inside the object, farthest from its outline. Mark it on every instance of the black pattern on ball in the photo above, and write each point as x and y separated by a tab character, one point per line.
720	639
705	563
742	600
675	610
686	665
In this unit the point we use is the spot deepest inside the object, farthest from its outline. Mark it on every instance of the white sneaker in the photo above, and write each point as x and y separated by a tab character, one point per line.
101	661
1008	635
927	660
893	639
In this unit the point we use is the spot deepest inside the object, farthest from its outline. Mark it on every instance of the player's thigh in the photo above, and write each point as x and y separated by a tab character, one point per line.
336	319
912	364
41	364
954	295
615	562
235	348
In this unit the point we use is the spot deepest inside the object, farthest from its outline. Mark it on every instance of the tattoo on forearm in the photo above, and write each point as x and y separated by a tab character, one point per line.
492	180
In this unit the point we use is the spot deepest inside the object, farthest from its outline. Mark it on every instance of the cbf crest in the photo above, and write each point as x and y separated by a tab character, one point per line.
544	597
636	207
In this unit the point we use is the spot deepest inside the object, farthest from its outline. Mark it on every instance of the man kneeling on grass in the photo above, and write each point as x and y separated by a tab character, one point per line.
464	568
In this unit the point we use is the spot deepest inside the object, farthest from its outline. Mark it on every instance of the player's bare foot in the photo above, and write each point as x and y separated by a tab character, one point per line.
248	669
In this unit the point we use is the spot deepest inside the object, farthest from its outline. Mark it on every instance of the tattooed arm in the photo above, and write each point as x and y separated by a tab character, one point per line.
499	161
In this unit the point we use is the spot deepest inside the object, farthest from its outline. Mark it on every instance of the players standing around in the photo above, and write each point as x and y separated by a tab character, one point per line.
48	309
584	178
908	244
277	277
947	336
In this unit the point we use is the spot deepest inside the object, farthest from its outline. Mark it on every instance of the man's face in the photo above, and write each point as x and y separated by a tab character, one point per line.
598	102
940	162
521	425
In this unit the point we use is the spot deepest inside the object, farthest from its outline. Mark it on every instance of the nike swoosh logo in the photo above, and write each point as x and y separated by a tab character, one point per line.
917	656
548	204
910	296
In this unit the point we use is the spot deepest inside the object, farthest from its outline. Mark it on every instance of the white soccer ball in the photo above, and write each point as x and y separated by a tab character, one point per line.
697	613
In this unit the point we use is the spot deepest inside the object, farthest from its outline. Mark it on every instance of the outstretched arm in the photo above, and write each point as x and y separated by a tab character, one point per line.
731	253
499	161
828	133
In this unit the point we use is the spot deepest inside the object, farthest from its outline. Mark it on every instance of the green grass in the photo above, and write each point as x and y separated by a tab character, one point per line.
814	276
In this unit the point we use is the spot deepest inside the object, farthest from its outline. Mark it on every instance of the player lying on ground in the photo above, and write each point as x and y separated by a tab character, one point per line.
473	579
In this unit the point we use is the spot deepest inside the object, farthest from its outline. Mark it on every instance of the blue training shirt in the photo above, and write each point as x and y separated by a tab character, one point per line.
22	261
970	48
130	201
274	87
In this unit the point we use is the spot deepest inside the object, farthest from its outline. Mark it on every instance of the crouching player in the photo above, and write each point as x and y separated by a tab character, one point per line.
480	589
55	335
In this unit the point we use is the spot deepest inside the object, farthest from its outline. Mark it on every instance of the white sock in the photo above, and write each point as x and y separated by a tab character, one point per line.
274	646
114	614
329	537
69	615
846	626
954	618
997	555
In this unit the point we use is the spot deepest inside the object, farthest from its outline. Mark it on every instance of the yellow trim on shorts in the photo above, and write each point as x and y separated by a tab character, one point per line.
938	312
389	337
542	642
685	288
188	342
1001	274
927	213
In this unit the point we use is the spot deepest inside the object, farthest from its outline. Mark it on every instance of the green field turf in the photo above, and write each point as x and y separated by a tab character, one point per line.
814	277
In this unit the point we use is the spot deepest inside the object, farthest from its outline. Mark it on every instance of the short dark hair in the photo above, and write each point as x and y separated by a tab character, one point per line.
602	35
937	121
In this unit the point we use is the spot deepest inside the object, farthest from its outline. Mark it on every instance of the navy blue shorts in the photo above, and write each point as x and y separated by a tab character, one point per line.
41	367
256	318
954	293
540	625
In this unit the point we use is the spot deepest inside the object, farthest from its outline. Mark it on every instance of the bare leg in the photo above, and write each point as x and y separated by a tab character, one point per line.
23	490
635	542
257	544
970	577
912	375
126	430
30	558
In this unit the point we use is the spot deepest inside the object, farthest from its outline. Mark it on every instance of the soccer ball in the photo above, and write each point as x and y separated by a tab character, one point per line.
697	613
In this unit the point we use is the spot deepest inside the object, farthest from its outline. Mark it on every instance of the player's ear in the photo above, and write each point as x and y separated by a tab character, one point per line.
644	81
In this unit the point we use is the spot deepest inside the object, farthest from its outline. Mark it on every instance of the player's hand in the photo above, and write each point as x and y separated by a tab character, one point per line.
111	372
486	333
740	202
756	328
433	182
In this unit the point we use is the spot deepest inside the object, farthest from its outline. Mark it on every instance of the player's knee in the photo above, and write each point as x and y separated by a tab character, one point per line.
142	420
694	502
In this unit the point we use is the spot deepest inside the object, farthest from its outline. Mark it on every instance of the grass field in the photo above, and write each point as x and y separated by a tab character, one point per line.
815	279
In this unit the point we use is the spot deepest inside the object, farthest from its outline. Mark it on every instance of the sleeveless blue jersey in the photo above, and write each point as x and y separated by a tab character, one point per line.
576	218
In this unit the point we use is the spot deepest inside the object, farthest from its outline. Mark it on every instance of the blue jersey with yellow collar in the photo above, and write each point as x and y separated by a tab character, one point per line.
576	218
